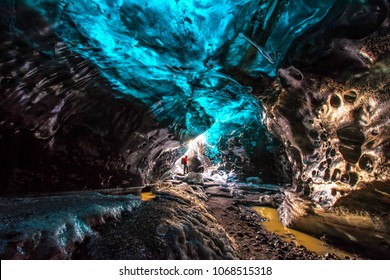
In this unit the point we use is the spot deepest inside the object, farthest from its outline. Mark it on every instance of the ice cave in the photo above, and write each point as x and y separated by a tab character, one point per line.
281	108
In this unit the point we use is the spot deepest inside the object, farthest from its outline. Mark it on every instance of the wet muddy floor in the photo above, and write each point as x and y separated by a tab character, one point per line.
253	240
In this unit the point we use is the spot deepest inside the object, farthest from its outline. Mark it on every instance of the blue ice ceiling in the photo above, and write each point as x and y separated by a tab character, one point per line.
176	55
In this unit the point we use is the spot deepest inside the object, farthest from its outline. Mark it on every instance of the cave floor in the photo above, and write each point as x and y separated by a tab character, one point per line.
241	224
251	239
159	223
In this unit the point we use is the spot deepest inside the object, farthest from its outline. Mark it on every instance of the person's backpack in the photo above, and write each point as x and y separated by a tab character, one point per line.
183	160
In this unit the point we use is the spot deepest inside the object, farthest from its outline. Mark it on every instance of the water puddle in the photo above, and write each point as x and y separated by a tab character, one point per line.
299	238
146	196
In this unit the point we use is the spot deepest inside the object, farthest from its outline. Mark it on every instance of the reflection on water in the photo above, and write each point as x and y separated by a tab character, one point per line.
299	238
146	196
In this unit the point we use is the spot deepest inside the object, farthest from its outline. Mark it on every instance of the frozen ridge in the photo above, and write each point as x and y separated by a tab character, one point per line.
42	227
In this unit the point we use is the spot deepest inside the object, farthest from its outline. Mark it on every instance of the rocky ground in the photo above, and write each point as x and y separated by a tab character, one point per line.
186	217
252	240
192	221
175	225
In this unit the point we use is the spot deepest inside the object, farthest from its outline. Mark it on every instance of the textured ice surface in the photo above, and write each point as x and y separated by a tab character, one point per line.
190	63
173	55
50	227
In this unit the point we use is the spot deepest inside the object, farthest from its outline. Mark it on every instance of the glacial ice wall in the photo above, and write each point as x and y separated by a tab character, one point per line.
94	85
105	93
175	56
337	133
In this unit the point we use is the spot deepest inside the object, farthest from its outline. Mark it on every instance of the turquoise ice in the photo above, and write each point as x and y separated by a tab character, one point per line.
176	56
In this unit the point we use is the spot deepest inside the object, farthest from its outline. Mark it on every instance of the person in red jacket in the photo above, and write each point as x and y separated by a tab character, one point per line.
184	161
